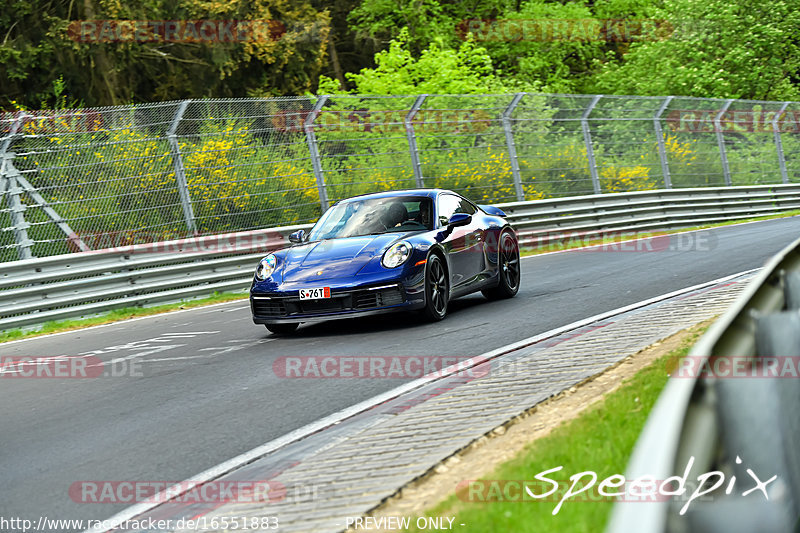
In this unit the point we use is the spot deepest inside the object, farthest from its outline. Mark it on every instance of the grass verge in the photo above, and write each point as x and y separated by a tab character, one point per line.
577	241
116	315
600	439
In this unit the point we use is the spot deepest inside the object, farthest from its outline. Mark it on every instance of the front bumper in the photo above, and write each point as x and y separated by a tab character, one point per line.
283	307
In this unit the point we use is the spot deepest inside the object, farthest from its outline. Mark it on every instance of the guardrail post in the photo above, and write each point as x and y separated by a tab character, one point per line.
723	156
776	132
662	150
180	173
587	138
412	140
11	188
512	149
313	149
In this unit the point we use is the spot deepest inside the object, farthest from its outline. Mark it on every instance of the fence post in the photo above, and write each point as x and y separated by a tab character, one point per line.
662	150
776	132
512	148
9	186
313	149
180	174
723	156
587	138
40	201
412	140
16	209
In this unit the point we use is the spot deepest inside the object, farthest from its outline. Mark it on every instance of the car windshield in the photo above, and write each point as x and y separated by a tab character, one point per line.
374	215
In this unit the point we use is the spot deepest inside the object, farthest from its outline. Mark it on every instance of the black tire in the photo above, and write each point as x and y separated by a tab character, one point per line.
437	289
282	329
509	269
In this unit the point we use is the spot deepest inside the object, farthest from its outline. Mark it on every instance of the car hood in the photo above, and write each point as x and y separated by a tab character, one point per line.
334	258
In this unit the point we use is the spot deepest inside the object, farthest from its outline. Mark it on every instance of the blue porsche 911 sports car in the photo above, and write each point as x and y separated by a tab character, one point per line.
391	251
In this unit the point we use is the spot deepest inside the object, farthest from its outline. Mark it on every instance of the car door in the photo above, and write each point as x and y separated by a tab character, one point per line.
475	240
464	244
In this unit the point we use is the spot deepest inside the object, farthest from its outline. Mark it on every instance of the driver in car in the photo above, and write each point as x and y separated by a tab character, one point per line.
394	215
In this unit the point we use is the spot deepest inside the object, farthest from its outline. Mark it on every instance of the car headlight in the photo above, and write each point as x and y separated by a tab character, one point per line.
396	255
266	267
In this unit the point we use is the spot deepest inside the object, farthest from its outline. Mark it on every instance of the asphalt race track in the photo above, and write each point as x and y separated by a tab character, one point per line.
206	390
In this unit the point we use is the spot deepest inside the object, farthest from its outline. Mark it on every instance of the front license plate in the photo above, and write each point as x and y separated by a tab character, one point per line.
314	294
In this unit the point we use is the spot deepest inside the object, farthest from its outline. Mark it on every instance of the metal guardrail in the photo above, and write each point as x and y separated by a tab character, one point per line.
544	221
731	418
33	291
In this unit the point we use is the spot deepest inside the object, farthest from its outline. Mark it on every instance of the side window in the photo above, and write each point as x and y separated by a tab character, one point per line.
466	207
448	206
419	210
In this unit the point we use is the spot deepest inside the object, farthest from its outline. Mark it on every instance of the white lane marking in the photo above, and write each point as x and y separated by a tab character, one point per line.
136	355
180	358
124	323
222	349
145	344
227	310
239	346
336	418
615	243
188	333
208	356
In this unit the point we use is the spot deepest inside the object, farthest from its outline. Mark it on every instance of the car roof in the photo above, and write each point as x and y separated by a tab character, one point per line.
431	193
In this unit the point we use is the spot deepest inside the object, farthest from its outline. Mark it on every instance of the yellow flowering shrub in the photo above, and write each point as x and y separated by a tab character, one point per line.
214	183
626	179
680	152
352	180
487	179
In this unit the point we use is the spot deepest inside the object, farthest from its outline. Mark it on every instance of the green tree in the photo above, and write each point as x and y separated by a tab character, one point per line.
438	70
547	44
349	50
718	48
42	41
425	21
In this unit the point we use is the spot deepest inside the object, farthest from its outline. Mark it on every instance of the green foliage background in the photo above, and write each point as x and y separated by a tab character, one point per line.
704	48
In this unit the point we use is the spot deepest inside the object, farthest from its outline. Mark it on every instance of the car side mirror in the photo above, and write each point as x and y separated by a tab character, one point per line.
297	236
459	219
